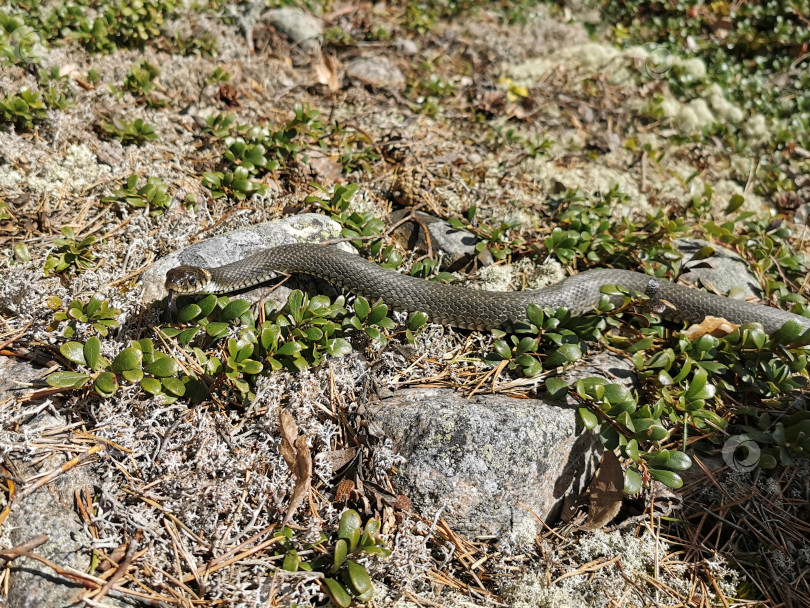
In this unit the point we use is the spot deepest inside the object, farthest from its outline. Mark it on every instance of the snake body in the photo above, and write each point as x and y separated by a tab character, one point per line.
460	306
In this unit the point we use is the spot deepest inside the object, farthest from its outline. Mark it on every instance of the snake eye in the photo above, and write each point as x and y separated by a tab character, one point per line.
192	281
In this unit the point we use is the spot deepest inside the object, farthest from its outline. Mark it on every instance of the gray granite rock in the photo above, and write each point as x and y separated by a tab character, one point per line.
477	459
724	270
15	374
238	244
303	30
376	71
49	511
456	245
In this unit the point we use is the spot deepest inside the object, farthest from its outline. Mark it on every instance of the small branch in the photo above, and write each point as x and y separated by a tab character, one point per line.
74	462
129	556
10	554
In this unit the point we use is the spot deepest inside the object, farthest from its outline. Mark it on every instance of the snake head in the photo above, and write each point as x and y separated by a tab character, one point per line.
187	280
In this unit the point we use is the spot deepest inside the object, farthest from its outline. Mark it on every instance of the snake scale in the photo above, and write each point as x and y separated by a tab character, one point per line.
459	306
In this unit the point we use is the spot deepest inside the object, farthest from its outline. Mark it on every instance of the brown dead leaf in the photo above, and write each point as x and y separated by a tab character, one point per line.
289	432
229	95
789	201
296	454
323	169
337	459
303	476
722	27
490	100
606	492
344	490
326	69
403	503
303	460
713	326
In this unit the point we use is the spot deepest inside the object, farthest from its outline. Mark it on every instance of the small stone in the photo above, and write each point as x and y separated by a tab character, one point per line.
723	271
376	71
303	29
406	46
457	245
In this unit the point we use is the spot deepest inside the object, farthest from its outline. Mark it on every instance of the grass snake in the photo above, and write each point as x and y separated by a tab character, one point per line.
460	306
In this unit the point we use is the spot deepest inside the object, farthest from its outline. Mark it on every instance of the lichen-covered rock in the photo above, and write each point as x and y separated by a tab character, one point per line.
476	460
50	511
456	244
724	270
236	245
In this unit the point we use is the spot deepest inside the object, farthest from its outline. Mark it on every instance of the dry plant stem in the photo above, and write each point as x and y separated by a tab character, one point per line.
11	483
592	566
81	578
85	504
74	462
715	586
156	505
542	521
181	550
129	556
495	371
15	337
8	555
222	562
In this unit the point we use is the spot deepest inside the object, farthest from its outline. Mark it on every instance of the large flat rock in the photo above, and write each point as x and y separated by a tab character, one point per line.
478	459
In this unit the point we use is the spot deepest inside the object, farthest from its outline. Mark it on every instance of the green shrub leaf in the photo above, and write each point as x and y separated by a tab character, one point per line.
163	367
127	359
356	577
73	351
337	593
174	386
92	352
106	384
67	379
151	386
668	478
192	311
632	481
234	310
